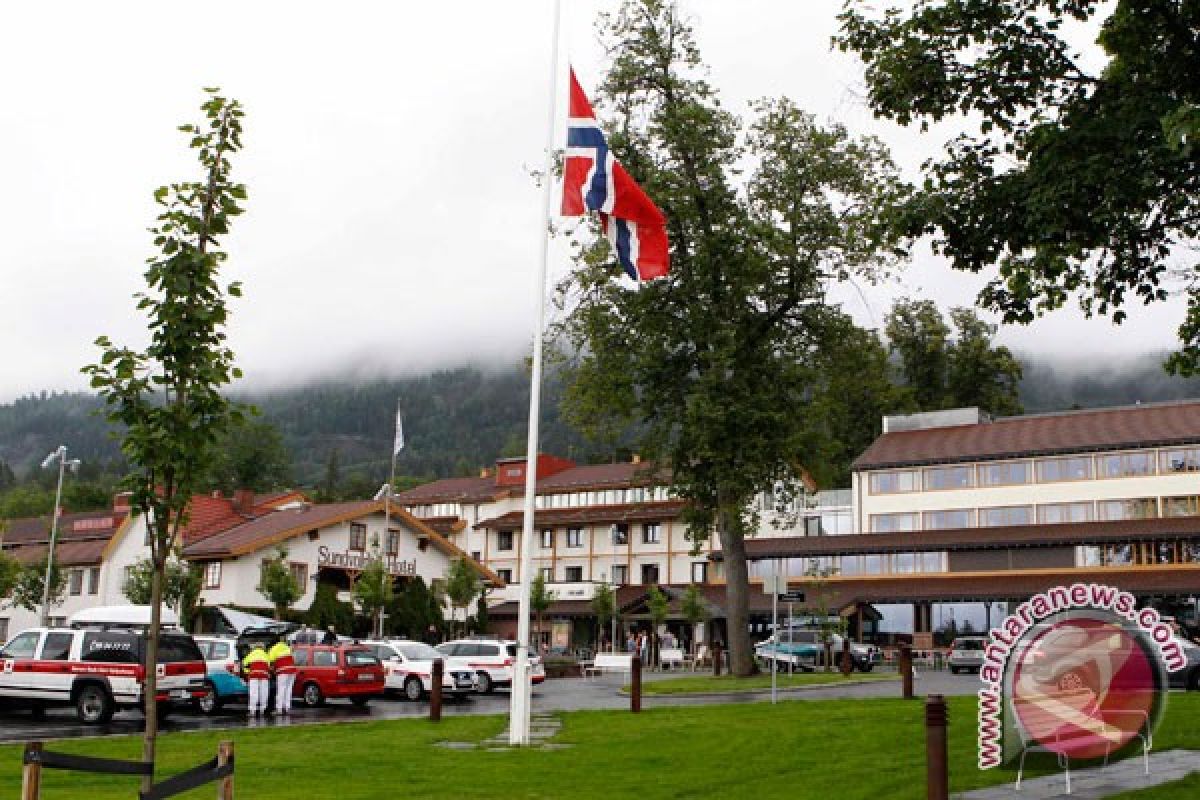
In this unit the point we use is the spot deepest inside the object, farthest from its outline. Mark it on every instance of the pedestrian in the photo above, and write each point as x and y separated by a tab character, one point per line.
431	635
330	636
284	666
256	666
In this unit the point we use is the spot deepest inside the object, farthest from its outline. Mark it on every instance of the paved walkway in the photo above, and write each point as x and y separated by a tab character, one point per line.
1097	782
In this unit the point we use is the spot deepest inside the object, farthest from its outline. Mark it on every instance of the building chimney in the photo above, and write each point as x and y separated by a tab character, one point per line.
636	458
121	501
243	500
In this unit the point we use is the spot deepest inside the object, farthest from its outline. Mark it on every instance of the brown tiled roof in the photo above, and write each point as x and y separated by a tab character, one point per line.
445	525
456	490
603	476
70	553
1147	425
588	515
80	525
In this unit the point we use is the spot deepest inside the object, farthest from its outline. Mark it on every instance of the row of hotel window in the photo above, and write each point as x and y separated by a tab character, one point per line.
602	497
573	537
211	574
1039	470
1045	514
620	574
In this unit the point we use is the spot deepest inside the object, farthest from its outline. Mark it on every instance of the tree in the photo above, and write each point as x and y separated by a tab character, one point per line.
713	365
373	589
540	598
7	478
819	597
952	370
278	584
658	604
251	455
10	571
329	486
694	611
179	580
462	585
28	586
327	610
604	606
167	399
1076	182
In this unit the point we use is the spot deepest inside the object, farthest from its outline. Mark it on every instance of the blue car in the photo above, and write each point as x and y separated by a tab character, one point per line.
224	681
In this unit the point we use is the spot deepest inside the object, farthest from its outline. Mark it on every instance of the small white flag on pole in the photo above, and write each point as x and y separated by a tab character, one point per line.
399	444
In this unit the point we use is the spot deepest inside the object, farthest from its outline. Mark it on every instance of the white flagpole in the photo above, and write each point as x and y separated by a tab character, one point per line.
518	720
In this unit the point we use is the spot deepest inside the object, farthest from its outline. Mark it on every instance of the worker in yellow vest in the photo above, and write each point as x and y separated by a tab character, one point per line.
256	666
284	666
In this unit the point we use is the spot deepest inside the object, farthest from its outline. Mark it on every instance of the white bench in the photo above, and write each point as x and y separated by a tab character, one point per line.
609	662
671	657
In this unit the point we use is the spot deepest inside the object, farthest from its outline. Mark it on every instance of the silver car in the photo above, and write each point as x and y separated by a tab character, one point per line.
966	654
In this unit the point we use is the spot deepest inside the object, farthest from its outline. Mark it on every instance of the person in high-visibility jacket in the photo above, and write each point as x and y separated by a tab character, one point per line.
285	675
257	668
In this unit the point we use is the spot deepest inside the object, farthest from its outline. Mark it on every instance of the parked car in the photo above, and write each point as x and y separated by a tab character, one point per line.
491	661
98	670
966	654
224	681
408	668
804	648
330	671
1188	677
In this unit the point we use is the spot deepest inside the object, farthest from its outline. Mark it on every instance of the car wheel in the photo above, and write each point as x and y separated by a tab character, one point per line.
485	684
93	705
953	670
361	700
413	689
866	665
312	695
209	702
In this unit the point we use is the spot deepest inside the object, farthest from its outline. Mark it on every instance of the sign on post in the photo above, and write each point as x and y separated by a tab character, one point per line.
792	597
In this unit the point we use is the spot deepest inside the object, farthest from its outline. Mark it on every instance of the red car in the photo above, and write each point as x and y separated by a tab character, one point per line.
325	671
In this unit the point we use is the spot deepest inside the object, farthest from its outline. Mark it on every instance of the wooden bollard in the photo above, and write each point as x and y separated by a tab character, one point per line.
906	671
937	779
435	690
31	774
716	659
224	756
635	687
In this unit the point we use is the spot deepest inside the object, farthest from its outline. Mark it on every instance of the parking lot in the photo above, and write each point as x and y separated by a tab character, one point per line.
569	694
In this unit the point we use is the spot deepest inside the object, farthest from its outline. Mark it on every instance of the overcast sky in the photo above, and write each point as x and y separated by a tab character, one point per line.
391	224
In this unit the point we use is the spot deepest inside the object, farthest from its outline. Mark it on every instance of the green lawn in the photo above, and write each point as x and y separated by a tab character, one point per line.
835	748
700	684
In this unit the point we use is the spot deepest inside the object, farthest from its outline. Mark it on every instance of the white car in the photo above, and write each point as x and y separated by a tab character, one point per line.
491	660
408	668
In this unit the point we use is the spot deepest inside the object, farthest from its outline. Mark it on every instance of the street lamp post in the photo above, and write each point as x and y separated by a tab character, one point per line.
59	455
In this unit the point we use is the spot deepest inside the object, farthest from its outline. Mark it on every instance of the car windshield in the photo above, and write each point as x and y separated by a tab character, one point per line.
968	644
361	658
416	651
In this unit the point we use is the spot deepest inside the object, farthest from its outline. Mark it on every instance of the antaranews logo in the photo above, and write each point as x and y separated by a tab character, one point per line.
1077	670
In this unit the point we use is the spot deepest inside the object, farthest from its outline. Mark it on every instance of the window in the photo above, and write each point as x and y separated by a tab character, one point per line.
1053	513
358	536
1119	465
212	575
299	572
651	533
929	562
504	540
943	520
301	656
1075	468
547	574
620	574
1005	473
505	575
476	555
699	572
893	523
23	646
904	562
620	534
1089	556
75	582
57	646
812	526
1137	508
574	574
906	480
547	539
574	537
93	581
1188	506
3	629
949	478
1005	515
393	542
324	658
1182	460
649	573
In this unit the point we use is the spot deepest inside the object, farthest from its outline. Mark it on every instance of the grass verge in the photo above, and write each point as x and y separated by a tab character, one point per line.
706	684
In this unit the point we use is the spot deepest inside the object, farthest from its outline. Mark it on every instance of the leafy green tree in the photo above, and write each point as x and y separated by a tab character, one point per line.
715	362
7	478
168	399
604	606
1076	182
278	584
462	585
694	610
819	596
179	580
27	500
658	605
327	610
919	335
10	571
540	598
332	482
30	580
251	455
373	589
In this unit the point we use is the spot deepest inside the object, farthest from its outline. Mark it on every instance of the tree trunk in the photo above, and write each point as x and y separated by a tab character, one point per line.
150	688
737	590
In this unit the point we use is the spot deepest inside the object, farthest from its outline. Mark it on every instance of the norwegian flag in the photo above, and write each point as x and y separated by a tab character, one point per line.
593	180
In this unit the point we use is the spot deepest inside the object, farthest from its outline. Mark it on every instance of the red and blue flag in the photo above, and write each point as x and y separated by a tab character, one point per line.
593	180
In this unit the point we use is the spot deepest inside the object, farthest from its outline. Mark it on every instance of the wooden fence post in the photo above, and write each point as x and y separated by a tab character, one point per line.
31	776
716	657
435	690
906	671
224	756
937	781
635	688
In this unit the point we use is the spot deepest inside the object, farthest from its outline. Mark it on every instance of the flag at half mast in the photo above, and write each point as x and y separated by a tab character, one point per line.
398	445
593	180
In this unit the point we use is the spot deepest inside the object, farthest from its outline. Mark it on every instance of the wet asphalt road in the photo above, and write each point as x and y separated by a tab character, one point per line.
572	694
